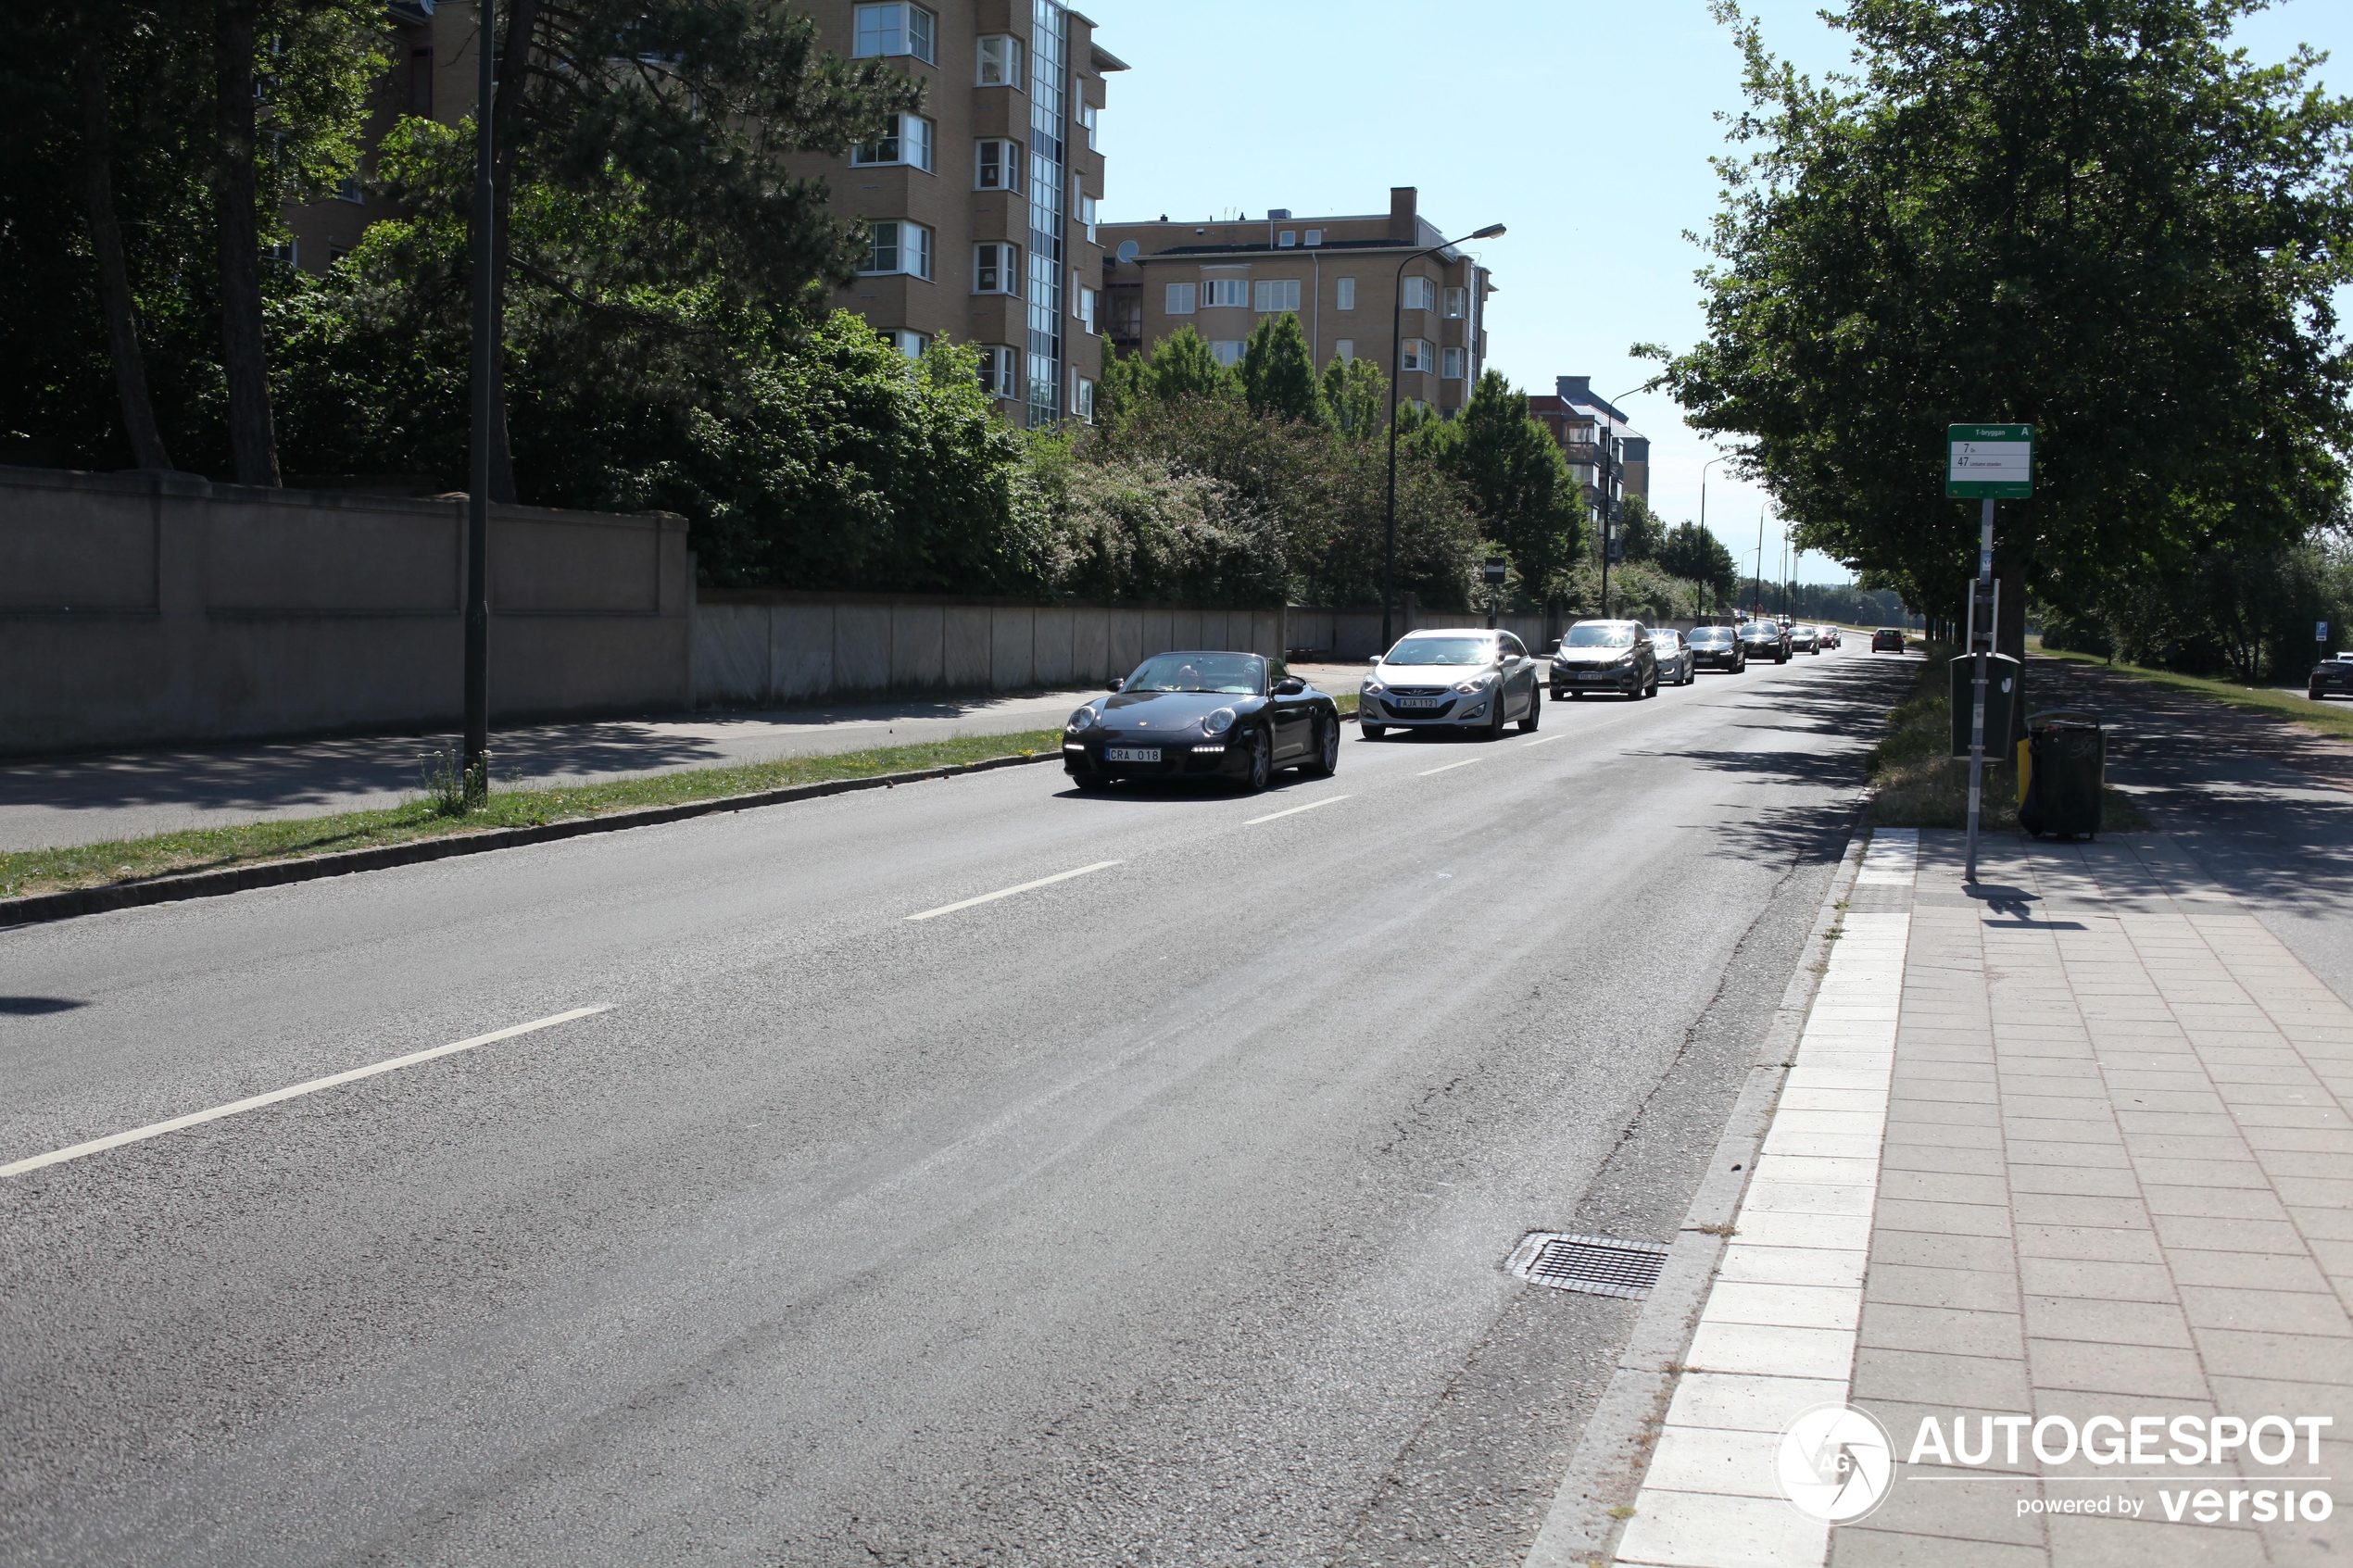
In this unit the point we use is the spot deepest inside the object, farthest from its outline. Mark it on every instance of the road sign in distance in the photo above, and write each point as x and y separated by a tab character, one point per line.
1496	568
1990	462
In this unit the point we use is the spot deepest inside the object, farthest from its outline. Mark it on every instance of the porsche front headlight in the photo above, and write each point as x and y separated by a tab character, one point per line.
1217	724
1085	718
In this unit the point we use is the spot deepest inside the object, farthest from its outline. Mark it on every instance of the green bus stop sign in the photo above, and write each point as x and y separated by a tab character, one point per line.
1989	462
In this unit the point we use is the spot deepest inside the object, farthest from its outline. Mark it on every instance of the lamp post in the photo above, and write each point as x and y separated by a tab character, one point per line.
1703	517
486	351
1396	348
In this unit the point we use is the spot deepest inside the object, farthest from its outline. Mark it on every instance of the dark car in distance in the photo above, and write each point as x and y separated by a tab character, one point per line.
1888	639
1766	639
1606	655
2332	677
1717	647
1231	716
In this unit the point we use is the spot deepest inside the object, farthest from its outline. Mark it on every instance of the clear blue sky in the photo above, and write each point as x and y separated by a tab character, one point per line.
1585	128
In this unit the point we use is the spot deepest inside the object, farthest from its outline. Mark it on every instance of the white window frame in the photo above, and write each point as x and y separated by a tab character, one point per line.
1454	303
1450	363
1287	239
1275	296
1418	293
1087	115
909	344
350	190
912	135
1006	258
1344	293
1180	300
1314	236
1089	303
909	242
1010	155
1415	355
1227	351
1006	63
1346	349
1086	206
1224	293
896	30
999	370
1082	397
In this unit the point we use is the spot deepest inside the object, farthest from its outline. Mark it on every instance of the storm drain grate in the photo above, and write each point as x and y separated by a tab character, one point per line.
1598	1265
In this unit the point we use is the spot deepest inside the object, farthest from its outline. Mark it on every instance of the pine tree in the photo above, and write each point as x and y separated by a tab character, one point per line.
1278	375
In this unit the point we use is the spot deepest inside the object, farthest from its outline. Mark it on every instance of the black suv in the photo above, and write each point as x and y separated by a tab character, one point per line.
1606	655
1766	639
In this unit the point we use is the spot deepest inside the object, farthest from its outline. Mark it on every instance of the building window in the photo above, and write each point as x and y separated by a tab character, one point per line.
1180	299
1416	355
1288	238
1278	293
1087	305
1314	236
895	29
420	81
999	371
1086	113
1420	295
998	166
1001	61
907	342
1049	55
900	247
1346	349
1449	364
1226	351
1224	291
348	190
996	268
909	141
1457	304
1348	293
1082	397
1087	216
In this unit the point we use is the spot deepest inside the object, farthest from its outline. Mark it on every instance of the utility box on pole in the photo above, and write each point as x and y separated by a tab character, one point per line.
2002	688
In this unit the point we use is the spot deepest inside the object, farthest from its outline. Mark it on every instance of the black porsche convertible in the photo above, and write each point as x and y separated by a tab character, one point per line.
1234	717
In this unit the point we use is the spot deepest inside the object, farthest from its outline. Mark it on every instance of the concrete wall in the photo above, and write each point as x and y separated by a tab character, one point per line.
1355	633
756	647
137	609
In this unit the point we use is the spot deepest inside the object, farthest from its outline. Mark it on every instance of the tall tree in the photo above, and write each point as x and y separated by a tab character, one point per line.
1182	366
1533	506
1279	374
253	438
1355	397
1693	554
116	304
2092	216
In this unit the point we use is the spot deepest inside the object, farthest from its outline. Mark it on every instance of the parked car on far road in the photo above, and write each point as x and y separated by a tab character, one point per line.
1717	647
1766	639
1676	665
1888	639
1464	678
2332	677
1606	655
1804	639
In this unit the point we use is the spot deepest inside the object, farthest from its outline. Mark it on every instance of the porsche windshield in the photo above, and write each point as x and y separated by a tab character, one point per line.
1600	634
1442	651
1236	673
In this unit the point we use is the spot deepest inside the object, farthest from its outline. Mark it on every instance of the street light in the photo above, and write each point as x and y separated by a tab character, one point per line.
1396	348
1711	462
475	761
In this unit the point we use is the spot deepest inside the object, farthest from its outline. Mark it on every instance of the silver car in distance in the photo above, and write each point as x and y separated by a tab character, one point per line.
1458	678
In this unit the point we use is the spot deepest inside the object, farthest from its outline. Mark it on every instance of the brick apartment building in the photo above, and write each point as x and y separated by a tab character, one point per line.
1608	456
1340	275
982	206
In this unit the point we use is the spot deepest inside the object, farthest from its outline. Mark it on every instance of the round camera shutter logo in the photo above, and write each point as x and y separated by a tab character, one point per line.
1835	1463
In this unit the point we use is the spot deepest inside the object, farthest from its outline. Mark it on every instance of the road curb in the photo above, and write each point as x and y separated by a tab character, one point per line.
1605	1470
43	907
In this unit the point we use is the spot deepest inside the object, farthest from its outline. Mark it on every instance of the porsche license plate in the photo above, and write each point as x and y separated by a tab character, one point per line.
1416	702
1131	754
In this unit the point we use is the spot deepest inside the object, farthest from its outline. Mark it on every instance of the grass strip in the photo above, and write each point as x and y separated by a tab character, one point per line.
25	872
2321	718
1917	782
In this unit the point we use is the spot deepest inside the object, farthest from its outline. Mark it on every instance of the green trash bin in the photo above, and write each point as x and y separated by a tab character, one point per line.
2067	764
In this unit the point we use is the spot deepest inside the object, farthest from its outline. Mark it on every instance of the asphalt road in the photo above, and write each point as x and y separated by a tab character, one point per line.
1153	1216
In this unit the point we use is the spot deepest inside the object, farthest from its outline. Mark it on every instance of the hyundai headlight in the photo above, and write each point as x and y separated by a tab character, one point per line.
1476	684
1217	724
1373	688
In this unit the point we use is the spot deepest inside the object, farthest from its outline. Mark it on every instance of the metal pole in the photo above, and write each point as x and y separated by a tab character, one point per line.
477	743
1979	669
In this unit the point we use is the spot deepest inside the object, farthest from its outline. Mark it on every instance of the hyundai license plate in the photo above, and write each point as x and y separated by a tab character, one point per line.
1131	754
1416	702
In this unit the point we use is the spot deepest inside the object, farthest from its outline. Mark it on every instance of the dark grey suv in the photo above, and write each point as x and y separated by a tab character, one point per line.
1606	655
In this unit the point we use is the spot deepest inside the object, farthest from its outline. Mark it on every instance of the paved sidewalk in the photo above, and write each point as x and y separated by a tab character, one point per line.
2116	1179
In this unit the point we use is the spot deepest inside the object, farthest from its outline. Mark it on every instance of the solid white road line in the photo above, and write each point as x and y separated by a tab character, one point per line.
235	1107
1009	892
1450	766
1327	800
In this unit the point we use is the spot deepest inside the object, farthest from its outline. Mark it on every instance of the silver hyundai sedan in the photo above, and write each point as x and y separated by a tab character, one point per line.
1470	679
